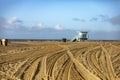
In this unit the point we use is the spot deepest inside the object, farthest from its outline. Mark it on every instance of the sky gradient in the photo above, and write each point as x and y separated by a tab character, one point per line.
55	19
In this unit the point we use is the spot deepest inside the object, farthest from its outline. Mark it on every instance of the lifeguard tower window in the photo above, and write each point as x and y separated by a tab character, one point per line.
84	35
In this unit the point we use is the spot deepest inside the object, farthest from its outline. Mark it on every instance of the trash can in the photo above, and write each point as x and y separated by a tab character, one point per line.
4	42
64	40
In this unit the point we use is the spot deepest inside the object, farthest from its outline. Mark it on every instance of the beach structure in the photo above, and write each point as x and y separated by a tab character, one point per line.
4	42
81	36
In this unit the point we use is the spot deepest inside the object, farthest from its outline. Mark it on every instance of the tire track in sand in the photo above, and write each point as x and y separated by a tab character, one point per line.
81	69
51	62
21	70
42	75
109	68
31	71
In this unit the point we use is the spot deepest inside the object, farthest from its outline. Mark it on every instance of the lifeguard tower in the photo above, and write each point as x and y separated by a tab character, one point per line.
82	36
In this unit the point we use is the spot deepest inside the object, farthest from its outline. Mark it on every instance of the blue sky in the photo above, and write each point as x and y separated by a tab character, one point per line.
59	18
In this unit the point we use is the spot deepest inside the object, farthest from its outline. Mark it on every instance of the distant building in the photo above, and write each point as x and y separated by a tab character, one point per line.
82	36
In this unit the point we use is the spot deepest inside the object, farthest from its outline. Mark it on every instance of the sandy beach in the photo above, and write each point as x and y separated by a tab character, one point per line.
35	60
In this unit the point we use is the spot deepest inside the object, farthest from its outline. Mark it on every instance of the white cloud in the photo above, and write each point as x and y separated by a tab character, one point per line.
13	23
13	20
4	24
58	27
39	25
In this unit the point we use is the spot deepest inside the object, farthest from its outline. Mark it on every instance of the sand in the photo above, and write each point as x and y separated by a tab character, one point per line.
60	61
